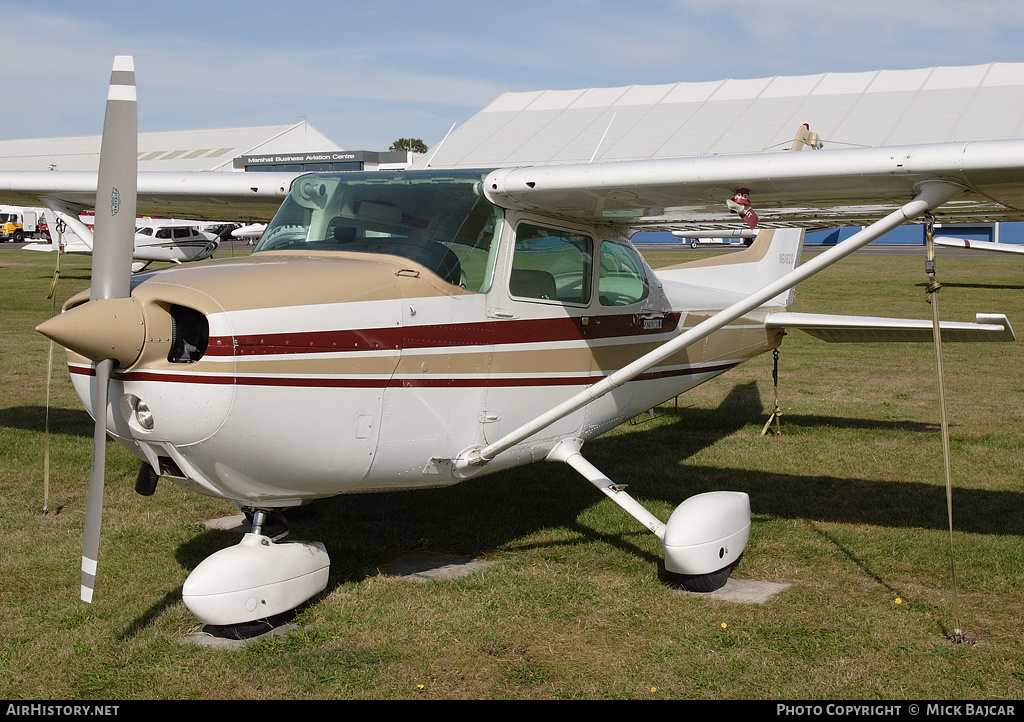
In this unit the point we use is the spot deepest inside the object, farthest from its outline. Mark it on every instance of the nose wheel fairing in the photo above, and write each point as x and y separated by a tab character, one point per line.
255	579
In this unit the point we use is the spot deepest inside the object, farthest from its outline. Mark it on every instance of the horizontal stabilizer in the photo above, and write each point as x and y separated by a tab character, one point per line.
872	329
980	245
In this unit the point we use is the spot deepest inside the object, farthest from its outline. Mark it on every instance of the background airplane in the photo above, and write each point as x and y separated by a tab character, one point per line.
739	236
175	241
251	232
165	240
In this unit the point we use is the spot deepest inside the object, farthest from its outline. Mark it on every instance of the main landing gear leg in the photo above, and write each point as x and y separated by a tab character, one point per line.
703	538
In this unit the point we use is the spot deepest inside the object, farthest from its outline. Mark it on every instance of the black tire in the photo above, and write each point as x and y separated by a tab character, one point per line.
701	583
19	236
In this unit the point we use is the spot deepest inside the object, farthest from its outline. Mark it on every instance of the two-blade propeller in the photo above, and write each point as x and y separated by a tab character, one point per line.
114	235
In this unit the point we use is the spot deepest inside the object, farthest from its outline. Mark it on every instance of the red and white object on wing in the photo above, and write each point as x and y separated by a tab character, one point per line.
740	205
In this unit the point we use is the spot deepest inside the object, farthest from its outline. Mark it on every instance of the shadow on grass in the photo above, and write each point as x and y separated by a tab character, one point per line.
842	498
65	276
168	600
69	422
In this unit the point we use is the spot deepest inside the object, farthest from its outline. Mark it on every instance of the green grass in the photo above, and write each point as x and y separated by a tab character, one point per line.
849	507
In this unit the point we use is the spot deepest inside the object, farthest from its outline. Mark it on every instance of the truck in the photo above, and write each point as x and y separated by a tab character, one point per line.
17	225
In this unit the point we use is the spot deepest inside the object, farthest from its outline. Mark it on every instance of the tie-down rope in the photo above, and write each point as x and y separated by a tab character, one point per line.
932	297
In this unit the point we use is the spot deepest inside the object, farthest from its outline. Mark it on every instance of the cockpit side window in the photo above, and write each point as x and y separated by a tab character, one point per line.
551	265
621	278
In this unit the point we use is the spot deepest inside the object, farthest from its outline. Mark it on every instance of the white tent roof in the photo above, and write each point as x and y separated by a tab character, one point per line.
885	107
182	150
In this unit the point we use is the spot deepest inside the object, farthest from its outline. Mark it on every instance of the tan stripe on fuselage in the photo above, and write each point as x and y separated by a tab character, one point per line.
754	253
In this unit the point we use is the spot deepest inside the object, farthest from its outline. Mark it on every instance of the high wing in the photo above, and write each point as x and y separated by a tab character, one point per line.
821	188
981	182
829	187
203	196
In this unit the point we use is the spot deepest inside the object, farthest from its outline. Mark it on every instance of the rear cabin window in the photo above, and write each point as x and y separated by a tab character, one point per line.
551	265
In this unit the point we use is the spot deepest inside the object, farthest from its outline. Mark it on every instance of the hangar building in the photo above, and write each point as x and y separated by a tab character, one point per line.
877	108
295	147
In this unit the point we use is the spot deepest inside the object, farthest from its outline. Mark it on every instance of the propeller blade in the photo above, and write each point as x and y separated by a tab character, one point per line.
113	246
116	189
94	505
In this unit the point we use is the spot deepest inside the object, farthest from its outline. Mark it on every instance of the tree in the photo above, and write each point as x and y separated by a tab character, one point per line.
414	144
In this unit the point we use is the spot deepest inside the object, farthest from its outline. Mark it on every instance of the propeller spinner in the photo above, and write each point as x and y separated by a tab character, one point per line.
116	191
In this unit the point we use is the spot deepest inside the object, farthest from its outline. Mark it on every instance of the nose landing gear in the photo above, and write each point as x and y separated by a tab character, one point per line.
257	578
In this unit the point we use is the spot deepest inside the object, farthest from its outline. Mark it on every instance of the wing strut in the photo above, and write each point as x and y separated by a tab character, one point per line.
931	195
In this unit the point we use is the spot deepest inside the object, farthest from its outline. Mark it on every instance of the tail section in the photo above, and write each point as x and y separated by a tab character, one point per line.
774	253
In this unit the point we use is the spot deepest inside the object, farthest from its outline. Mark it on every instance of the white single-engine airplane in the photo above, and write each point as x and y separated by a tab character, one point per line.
162	240
174	241
417	329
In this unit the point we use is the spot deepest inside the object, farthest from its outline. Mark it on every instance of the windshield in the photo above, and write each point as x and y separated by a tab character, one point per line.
439	219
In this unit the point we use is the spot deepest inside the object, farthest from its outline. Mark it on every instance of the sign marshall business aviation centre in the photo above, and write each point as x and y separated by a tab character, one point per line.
320	160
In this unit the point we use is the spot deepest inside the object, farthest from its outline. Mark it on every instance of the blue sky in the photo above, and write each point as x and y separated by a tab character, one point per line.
366	73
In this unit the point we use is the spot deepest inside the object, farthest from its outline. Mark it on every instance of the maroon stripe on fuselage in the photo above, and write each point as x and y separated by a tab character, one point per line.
454	335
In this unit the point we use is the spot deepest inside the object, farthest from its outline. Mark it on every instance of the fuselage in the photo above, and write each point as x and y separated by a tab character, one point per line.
382	328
